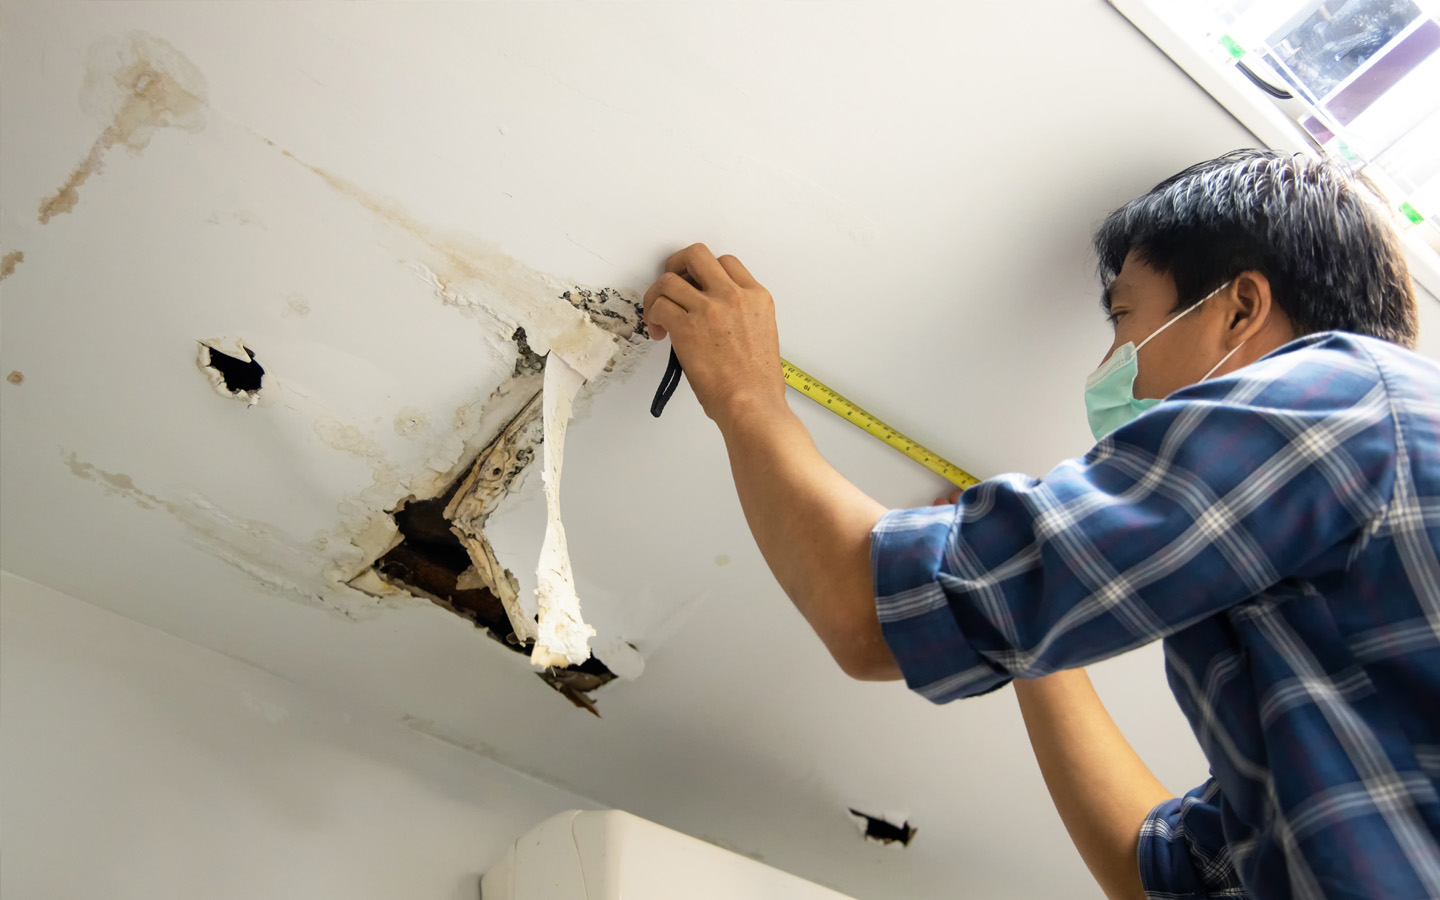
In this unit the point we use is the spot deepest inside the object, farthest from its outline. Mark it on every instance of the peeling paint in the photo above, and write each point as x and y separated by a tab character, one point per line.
136	84
9	262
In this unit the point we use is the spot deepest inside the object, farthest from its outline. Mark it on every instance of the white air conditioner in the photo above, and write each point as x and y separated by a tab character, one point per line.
609	855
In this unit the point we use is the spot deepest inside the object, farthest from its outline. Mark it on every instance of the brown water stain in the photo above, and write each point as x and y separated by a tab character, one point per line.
9	262
135	83
116	484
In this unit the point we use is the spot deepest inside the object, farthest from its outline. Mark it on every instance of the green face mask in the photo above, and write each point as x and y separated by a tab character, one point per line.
1110	399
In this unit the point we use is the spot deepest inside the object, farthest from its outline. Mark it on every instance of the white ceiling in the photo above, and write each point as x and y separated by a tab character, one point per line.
915	183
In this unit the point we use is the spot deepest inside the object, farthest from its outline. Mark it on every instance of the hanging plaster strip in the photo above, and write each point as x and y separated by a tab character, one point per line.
562	635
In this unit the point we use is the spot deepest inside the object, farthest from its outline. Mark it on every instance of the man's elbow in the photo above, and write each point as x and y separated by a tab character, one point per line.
867	658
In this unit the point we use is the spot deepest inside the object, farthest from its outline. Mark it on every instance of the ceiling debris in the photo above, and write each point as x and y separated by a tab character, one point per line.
232	374
881	829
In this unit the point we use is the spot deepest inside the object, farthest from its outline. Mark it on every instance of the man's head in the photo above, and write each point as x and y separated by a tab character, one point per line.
1294	246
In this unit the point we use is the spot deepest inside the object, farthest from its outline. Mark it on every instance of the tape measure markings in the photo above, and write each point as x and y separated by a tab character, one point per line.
821	393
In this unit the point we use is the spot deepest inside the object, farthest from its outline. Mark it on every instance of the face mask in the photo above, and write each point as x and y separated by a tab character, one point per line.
1110	390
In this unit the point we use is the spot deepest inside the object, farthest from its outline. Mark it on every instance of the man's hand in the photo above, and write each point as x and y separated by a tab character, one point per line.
721	322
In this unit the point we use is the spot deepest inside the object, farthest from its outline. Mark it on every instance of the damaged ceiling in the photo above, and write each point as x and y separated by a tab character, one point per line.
405	235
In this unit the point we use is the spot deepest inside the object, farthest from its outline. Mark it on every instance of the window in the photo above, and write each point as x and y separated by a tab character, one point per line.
1354	79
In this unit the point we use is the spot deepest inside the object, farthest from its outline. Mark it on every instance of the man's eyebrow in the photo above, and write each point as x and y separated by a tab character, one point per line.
1107	299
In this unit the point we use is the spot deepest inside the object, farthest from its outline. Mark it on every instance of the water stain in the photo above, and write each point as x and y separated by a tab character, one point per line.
9	262
15	377
115	484
458	263
277	562
296	305
135	84
348	439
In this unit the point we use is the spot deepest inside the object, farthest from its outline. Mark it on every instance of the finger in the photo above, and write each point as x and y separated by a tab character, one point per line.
681	292
737	271
698	262
662	316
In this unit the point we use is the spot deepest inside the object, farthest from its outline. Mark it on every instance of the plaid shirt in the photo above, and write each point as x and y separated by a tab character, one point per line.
1277	528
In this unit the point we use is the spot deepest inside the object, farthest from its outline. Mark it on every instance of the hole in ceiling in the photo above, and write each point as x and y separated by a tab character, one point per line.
877	828
238	375
431	561
230	374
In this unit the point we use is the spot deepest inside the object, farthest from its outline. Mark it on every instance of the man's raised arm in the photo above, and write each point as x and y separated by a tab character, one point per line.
812	526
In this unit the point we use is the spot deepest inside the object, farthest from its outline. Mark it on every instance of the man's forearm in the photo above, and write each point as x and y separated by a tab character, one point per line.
813	528
1100	786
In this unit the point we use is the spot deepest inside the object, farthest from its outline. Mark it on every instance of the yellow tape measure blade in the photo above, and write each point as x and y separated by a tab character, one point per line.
822	394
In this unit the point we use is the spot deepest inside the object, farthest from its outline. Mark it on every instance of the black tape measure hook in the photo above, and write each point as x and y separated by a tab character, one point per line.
668	384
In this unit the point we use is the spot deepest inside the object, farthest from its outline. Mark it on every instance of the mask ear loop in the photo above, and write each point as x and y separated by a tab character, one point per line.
1222	361
1194	306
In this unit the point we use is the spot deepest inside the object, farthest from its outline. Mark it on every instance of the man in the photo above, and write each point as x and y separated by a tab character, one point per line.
1274	521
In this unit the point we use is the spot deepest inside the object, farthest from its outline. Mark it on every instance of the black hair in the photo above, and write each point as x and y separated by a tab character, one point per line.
1332	257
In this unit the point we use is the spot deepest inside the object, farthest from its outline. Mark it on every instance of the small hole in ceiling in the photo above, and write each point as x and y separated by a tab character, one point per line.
879	829
240	376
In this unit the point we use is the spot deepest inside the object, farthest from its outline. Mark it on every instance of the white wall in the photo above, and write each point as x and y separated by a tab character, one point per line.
136	764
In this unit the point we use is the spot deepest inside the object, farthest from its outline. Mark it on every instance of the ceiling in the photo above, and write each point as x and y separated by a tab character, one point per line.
372	196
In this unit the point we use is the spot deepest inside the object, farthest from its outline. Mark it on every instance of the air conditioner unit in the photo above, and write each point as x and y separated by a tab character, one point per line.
609	855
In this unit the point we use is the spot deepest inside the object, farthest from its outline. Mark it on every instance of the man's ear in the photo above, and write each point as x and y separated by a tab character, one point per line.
1249	306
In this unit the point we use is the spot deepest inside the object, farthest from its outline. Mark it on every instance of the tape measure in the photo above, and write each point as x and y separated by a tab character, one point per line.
822	394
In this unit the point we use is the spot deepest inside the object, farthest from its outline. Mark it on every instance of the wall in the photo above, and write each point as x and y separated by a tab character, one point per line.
139	765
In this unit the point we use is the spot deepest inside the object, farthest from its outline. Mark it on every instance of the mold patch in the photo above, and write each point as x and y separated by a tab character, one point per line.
135	84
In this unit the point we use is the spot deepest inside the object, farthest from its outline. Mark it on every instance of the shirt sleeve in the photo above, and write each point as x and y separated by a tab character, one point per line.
1201	503
1182	851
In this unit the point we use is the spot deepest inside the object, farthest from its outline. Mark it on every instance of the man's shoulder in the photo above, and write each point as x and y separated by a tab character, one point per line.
1330	369
1339	362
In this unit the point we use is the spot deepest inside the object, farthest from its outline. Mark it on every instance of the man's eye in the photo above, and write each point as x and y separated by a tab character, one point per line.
1115	316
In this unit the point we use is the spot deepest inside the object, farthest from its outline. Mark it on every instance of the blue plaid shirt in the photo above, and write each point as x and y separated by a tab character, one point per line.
1277	528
